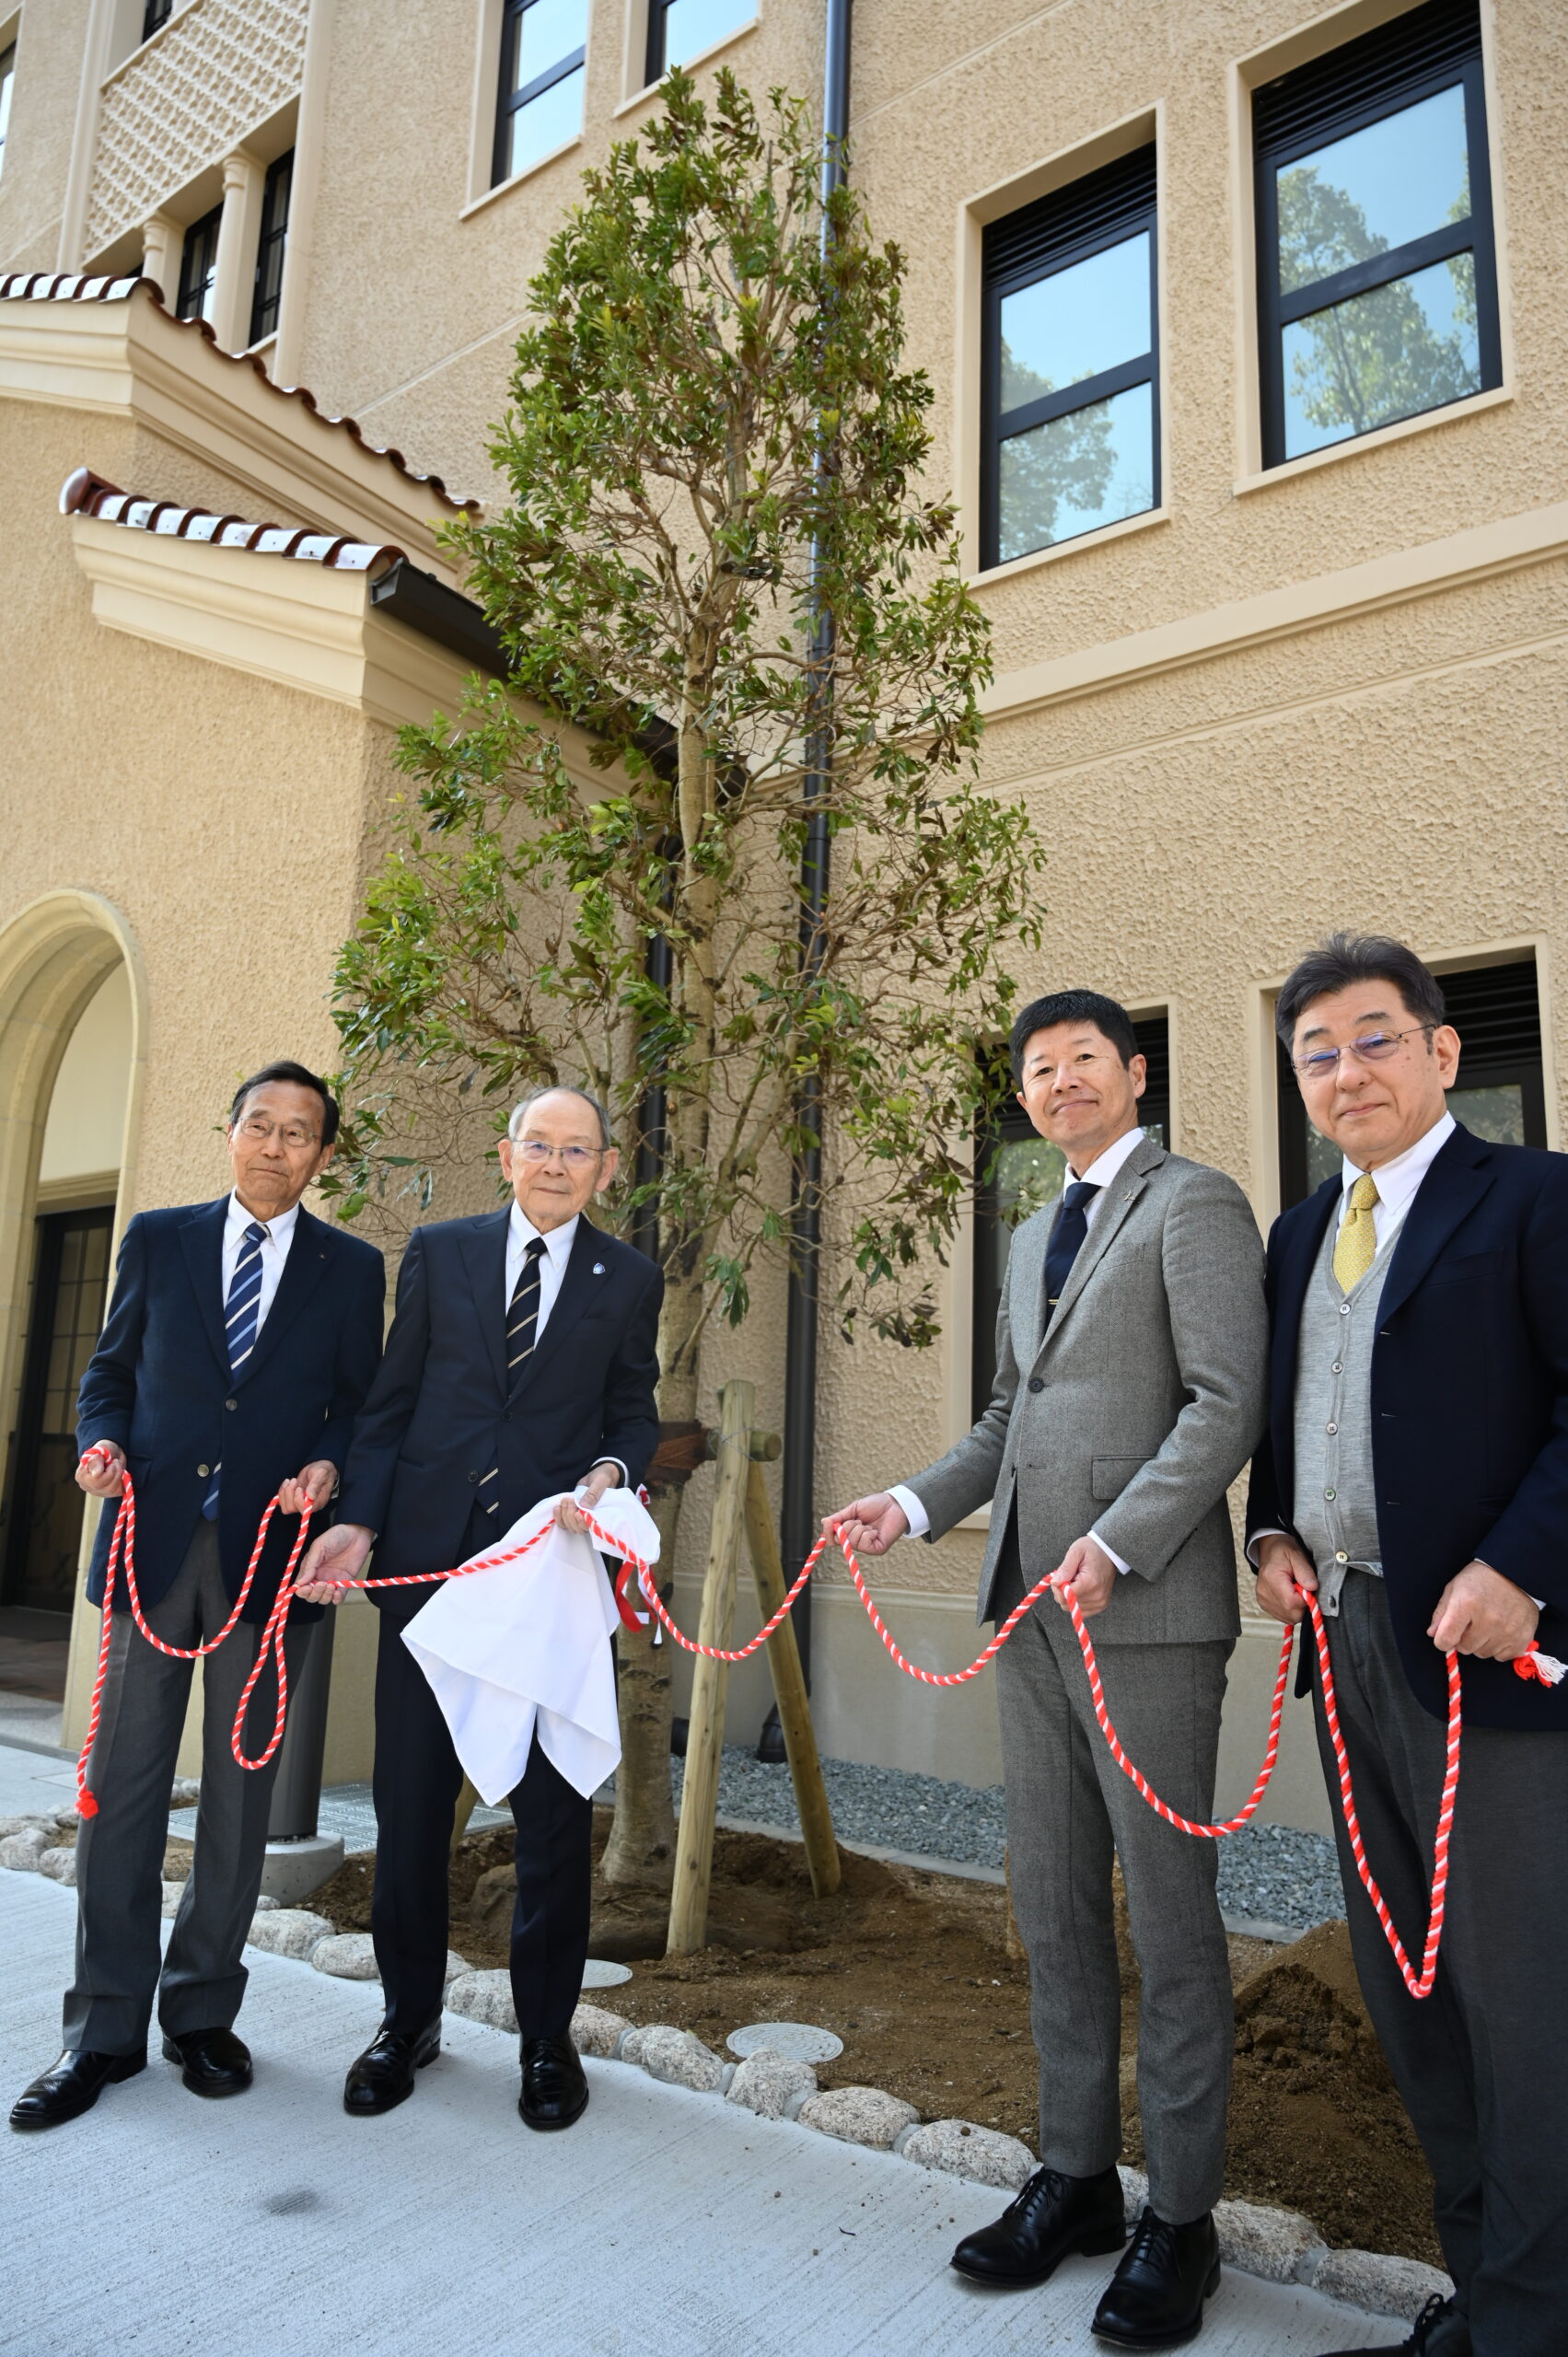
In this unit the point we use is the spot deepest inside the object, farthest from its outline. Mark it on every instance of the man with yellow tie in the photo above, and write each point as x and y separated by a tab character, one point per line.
1415	1476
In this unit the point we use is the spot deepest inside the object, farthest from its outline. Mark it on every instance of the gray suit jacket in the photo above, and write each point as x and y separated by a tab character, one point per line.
1137	1409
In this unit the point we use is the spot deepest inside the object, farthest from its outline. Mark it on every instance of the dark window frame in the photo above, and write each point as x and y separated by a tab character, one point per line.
208	227
273	237
1504	1051
1105	208
8	75
1370	65
27	1469
656	64
154	16
997	1124
512	102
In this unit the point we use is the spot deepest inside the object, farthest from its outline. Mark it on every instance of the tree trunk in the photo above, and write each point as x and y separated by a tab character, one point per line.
640	1854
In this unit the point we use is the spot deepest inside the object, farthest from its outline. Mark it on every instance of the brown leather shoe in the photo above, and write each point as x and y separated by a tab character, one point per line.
71	2086
555	2091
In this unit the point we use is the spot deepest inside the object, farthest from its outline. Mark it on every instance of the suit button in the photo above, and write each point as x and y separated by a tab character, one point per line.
1037	1383
203	1470
473	1476
231	1403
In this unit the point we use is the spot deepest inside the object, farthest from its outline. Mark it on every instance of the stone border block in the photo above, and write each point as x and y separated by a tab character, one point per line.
858	2116
289	1931
680	2059
1278	2245
1368	2279
769	2082
596	2031
484	1997
965	2149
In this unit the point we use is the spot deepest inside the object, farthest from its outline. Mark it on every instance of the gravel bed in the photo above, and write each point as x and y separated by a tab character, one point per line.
1270	1872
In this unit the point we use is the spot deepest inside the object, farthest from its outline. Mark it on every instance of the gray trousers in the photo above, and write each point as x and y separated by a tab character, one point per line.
1482	2063
120	1851
1069	1812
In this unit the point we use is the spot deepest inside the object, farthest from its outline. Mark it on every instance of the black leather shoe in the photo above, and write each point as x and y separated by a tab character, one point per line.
72	2085
555	2092
1440	2330
1051	2218
216	2061
1155	2298
383	2077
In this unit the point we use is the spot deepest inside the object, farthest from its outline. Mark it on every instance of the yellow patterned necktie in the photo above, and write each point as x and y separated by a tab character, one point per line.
1355	1247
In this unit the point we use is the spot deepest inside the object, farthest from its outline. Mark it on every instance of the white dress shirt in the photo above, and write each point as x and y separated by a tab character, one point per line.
520	1234
1100	1173
278	1235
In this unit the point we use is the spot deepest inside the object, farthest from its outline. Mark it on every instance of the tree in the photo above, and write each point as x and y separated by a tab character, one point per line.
713	442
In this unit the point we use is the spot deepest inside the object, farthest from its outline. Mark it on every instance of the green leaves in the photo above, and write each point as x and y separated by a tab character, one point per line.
712	440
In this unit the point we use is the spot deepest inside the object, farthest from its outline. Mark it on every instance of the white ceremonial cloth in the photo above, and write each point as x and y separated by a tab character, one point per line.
527	1644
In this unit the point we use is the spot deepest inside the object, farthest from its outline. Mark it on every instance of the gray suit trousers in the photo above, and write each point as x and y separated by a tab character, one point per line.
120	1851
1070	1809
1481	2064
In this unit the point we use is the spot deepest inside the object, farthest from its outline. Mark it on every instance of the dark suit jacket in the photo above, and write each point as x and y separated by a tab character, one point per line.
159	1383
438	1416
1469	1405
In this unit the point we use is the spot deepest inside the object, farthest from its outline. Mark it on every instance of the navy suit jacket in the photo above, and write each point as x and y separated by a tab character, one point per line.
438	1416
1469	1405
159	1385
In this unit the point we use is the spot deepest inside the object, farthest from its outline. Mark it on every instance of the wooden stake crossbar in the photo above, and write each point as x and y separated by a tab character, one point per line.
740	1502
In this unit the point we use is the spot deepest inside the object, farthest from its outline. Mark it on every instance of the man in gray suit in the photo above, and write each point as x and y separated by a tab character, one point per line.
1131	1351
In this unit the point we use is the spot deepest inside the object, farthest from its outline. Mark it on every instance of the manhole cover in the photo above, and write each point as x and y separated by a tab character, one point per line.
802	2041
599	1974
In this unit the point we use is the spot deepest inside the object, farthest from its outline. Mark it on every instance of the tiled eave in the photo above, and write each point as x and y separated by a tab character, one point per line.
109	347
85	494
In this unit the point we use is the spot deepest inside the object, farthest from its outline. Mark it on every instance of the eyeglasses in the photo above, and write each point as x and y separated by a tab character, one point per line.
256	1130
1375	1049
534	1152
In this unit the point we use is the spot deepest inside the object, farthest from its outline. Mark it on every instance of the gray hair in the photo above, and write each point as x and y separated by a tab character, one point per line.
1346	960
560	1089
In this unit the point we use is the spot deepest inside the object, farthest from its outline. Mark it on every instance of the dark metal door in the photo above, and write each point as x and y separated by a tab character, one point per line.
45	1523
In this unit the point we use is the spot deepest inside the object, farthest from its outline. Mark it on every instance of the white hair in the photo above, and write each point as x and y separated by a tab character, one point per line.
560	1089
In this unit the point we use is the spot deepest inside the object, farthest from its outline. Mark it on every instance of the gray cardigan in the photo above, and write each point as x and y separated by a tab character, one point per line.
1135	1412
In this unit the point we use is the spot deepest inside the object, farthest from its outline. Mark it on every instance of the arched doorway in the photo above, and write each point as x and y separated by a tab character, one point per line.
71	1035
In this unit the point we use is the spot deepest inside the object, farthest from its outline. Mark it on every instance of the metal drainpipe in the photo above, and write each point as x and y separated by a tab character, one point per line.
799	1520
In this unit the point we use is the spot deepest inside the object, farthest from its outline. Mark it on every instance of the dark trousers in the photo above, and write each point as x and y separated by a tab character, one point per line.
200	1982
1482	2063
417	1780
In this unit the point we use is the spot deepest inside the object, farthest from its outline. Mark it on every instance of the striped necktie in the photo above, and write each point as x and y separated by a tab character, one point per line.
522	1332
242	1319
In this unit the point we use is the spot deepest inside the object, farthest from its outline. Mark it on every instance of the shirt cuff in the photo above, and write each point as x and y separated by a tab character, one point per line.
914	1512
1121	1567
604	1458
1256	1540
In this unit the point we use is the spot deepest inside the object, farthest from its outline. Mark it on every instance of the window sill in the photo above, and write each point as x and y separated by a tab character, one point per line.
1356	445
1096	540
688	65
260	349
478	203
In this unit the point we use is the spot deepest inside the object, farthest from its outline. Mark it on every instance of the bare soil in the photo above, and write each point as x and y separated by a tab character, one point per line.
914	1972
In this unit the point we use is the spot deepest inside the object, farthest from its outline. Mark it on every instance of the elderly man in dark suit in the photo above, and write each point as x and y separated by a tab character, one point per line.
522	1362
1128	1394
241	1339
1415	1476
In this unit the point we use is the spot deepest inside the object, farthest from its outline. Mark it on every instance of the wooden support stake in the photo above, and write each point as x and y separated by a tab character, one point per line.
704	1737
789	1690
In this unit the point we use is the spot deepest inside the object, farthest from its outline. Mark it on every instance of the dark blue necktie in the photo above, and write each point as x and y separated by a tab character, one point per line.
522	1332
1072	1227
241	1317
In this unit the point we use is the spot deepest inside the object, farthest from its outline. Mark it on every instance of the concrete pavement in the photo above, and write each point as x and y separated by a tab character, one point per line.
667	2224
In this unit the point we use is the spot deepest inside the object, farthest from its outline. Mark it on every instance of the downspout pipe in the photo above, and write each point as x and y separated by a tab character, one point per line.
799	1522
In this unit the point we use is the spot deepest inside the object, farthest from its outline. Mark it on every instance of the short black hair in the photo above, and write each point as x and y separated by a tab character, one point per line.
301	1077
1345	959
1073	1006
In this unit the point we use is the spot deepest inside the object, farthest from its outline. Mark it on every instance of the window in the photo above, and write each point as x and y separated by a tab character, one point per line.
1017	1171
540	105
271	246
1377	282
156	13
679	29
7	76
198	266
1067	366
1499	1092
44	1515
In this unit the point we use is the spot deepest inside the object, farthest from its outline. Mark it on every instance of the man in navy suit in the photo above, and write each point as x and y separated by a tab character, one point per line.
1415	1477
522	1362
241	1339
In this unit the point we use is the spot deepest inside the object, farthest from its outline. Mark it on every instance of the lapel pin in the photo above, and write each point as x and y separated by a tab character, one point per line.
599	1268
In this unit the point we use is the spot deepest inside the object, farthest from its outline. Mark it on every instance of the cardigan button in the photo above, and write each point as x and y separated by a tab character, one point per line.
1037	1383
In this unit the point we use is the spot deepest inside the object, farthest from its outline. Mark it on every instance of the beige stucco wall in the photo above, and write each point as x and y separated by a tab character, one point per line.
1377	747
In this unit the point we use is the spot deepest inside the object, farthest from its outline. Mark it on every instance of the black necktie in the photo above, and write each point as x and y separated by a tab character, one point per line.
522	1314
1072	1227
